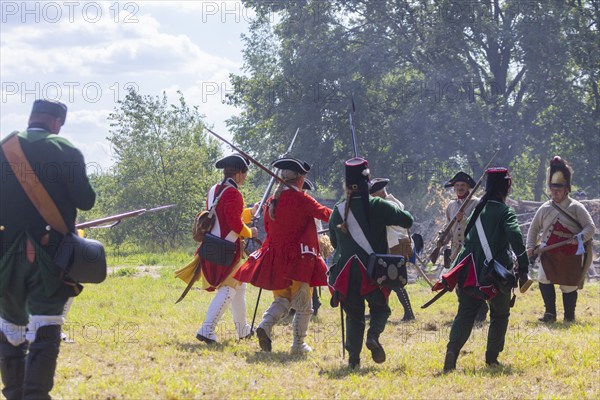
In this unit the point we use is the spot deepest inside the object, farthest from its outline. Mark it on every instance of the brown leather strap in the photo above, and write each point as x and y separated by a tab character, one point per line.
32	186
566	214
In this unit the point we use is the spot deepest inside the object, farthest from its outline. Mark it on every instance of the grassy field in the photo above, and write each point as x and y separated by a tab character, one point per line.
132	341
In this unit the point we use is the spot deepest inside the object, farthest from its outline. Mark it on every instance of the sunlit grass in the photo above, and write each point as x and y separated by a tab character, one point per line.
132	341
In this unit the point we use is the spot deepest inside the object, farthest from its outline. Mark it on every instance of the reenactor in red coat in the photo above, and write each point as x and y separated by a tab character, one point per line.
289	262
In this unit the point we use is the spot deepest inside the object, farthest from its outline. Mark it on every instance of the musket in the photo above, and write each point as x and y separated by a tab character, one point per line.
352	128
421	271
272	181
258	164
442	235
539	250
116	219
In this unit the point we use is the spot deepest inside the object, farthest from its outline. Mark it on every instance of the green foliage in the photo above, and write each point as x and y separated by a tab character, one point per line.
162	157
437	86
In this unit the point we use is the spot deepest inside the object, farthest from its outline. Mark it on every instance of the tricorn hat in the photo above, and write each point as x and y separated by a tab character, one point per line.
559	174
292	164
357	173
460	177
308	185
377	184
51	107
233	161
498	180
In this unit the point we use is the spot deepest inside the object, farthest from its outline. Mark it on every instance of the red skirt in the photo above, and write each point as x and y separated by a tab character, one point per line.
270	269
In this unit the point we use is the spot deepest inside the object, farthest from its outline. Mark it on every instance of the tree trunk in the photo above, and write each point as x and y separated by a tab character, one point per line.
540	181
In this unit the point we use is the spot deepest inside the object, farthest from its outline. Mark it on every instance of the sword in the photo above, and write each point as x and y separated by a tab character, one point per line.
197	270
435	298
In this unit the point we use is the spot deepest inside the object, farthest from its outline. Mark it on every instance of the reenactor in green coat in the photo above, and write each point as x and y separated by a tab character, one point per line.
32	291
347	276
502	232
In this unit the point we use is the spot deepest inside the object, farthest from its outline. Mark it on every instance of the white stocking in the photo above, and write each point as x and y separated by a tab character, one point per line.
238	310
215	312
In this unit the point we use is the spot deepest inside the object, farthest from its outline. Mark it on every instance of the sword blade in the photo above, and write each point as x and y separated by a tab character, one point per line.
191	283
435	298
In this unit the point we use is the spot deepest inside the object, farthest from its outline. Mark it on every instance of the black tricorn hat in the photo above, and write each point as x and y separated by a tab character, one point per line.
308	185
377	184
357	172
51	107
292	164
498	180
460	177
234	161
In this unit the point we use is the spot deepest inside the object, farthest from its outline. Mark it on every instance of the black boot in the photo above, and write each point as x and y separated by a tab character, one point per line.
569	303
41	363
12	368
450	361
491	358
377	351
549	297
405	301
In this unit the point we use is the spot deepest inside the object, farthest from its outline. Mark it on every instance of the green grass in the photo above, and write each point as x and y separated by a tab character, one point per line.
132	341
132	256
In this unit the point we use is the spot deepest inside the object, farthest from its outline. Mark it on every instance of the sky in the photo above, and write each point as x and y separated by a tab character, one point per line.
87	53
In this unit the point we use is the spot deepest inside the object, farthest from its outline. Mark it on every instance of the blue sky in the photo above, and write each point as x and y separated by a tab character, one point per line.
87	53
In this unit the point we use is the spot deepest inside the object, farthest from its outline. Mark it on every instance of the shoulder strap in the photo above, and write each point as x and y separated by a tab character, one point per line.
483	239
37	193
354	229
566	214
213	202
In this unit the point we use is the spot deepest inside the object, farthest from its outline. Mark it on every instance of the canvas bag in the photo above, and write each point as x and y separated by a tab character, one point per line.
214	249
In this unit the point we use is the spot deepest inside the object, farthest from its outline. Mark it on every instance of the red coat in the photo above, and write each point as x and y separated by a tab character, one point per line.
229	225
291	249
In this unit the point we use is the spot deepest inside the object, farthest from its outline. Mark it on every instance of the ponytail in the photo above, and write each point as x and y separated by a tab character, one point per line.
288	176
482	202
344	225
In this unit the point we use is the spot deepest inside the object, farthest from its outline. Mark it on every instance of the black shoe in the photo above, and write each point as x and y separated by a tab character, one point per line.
377	351
205	339
263	340
450	362
354	364
409	317
491	358
548	317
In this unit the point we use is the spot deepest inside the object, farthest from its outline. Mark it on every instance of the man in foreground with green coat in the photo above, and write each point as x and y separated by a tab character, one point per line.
33	292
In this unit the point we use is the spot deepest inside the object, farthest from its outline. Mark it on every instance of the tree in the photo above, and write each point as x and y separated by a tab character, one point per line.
437	85
162	157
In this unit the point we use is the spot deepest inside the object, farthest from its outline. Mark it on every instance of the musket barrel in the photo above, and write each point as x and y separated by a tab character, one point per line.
272	181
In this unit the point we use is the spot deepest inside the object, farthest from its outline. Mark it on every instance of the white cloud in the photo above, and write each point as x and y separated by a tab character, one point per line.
191	46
